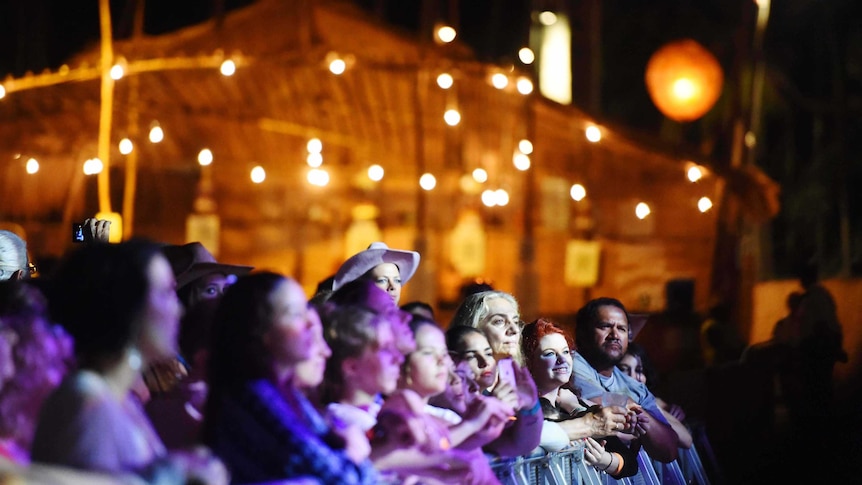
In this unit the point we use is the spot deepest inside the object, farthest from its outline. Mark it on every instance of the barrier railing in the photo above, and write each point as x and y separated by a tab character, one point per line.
567	467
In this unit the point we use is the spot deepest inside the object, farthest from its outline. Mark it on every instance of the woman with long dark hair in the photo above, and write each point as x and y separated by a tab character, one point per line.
257	420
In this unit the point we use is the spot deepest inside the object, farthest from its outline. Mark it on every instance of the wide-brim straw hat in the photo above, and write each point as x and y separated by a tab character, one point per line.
192	261
377	253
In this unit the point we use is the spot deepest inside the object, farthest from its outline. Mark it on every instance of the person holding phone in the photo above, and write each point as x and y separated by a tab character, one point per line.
469	345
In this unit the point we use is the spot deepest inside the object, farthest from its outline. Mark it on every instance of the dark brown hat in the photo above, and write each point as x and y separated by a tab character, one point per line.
192	261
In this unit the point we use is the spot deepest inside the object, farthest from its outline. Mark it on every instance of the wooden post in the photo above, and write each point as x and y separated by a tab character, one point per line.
107	105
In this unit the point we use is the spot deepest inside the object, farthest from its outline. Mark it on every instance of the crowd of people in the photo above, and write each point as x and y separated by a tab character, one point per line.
140	362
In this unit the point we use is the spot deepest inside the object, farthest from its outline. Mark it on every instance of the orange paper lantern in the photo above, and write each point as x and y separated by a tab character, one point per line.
684	80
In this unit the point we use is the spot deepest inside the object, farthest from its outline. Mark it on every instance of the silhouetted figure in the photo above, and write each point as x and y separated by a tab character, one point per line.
820	341
719	340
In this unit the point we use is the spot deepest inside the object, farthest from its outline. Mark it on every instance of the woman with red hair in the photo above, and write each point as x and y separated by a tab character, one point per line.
547	351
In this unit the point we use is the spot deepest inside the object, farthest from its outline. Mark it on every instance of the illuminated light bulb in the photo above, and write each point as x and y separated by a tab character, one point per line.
93	166
2	92
452	117
684	89
318	177
521	161
126	146
427	181
375	173
314	145
314	160
500	80
525	86
547	18
445	80
446	34
594	134
704	204
750	139
480	175
489	198
642	210
227	68
578	192
117	72
694	173
156	134
337	66
32	166
526	55
258	174
205	157
502	197
525	146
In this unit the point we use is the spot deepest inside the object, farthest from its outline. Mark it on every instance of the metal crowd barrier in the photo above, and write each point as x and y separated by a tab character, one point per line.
567	467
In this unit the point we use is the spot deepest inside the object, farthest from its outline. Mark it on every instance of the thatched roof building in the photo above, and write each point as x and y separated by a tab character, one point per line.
385	109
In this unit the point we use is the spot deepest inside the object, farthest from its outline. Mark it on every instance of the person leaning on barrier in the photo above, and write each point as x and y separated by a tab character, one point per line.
636	364
547	351
602	335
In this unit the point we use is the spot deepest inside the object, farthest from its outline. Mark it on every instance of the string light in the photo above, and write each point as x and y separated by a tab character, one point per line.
117	72
32	166
526	55
156	133
502	197
525	86
446	34
642	210
578	192
427	181
525	146
500	80
126	146
694	173
492	198
227	68
258	174
93	166
445	80
521	161
489	198
547	18
375	173
318	177
452	117
205	157
314	145
337	66
594	134
480	175
2	92
314	160
704	204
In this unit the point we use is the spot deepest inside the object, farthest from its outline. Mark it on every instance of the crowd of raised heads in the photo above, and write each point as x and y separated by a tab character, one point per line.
140	362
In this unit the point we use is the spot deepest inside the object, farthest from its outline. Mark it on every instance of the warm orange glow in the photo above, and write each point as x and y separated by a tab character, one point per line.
684	80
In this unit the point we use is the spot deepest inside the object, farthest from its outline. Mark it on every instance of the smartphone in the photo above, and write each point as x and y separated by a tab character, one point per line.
506	372
77	232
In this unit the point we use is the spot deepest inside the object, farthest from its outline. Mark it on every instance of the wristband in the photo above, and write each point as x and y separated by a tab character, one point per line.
620	464
536	409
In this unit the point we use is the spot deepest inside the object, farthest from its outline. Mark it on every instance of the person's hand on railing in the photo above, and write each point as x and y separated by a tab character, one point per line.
608	420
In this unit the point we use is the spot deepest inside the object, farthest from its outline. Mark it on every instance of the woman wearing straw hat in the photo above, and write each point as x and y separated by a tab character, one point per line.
388	268
199	276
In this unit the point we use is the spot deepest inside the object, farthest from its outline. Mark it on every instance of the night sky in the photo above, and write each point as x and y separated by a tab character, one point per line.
813	52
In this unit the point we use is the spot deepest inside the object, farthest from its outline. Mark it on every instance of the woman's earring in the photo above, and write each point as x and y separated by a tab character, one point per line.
134	359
